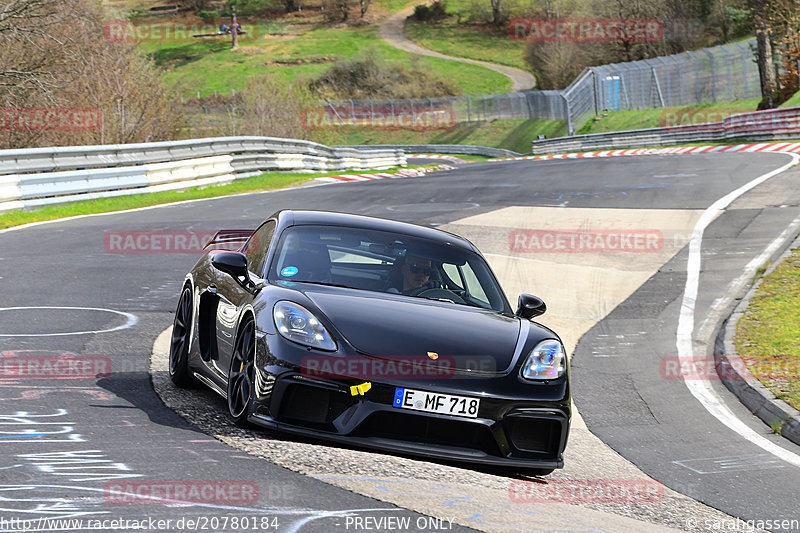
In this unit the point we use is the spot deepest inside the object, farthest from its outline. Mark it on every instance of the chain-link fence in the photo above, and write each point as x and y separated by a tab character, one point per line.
718	74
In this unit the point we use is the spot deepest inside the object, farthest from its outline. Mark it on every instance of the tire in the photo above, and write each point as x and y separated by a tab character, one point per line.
180	340
241	376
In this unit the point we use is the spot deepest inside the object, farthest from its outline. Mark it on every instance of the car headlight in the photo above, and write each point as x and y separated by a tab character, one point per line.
546	361
298	324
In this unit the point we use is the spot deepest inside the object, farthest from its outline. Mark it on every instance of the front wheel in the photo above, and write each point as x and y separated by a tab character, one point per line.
241	376
179	346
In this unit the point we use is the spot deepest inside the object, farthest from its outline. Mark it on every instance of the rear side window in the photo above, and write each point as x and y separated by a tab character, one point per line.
257	246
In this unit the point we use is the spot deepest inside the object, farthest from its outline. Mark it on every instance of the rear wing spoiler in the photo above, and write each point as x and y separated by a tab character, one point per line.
229	239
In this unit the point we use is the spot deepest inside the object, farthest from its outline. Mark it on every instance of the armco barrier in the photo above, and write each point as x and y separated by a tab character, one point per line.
40	176
463	149
768	125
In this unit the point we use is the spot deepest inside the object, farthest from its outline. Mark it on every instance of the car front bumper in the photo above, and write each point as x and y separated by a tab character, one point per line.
507	431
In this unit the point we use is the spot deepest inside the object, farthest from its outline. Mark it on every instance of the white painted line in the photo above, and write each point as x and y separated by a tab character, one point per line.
130	321
701	389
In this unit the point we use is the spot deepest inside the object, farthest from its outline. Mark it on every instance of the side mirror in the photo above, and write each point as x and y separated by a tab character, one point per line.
530	306
233	263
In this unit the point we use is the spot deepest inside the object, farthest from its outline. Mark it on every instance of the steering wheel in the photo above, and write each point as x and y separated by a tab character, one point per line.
441	293
427	286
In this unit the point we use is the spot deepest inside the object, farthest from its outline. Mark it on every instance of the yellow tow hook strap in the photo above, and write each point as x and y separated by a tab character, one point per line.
360	389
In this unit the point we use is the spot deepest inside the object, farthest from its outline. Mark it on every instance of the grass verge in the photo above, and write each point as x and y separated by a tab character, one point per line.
264	182
513	135
768	335
669	116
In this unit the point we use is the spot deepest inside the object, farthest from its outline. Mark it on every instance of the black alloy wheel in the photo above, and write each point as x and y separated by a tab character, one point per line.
181	336
241	377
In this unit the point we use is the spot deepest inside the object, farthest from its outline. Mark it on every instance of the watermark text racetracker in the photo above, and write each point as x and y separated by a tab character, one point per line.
163	31
586	491
588	30
187	491
396	367
383	118
51	119
161	242
687	117
30	364
707	369
588	241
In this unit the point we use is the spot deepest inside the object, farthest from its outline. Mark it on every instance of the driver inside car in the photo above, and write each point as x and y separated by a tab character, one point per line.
415	276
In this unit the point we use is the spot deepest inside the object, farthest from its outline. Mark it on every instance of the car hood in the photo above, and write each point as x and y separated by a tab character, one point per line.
395	328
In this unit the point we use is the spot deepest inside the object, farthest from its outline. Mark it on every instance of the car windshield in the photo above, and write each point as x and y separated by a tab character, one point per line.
386	262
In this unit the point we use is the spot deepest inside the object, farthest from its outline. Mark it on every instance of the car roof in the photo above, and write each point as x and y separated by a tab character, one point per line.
292	217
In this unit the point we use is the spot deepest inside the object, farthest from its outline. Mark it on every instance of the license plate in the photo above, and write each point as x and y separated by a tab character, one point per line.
432	402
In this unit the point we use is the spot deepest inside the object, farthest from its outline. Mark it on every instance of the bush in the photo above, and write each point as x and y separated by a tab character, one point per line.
368	77
435	12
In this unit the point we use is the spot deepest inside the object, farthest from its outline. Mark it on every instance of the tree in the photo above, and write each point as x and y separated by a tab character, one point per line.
766	69
498	17
53	55
32	49
364	5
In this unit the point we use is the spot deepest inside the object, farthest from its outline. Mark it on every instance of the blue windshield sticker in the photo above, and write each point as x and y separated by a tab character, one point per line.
289	271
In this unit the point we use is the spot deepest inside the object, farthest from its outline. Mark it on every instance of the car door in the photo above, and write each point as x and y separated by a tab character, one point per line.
233	297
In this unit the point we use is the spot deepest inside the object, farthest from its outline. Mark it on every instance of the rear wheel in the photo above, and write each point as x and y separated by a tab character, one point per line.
241	376
181	337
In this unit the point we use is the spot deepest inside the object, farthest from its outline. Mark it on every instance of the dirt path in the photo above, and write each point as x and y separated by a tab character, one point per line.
391	30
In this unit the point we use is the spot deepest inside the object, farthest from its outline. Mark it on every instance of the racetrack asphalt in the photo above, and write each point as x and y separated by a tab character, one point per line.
116	429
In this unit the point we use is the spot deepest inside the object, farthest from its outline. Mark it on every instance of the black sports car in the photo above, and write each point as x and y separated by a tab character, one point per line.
374	333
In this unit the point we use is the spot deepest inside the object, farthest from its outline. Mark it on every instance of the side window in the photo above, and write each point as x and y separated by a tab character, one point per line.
258	245
474	287
452	272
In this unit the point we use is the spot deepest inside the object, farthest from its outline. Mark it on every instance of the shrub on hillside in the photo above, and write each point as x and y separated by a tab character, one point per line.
368	77
433	13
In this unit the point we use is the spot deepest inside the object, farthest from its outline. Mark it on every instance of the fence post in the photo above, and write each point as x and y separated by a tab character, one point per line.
744	53
570	131
730	74
697	98
713	75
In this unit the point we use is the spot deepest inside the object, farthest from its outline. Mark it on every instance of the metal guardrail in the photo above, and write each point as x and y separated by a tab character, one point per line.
464	149
768	125
40	176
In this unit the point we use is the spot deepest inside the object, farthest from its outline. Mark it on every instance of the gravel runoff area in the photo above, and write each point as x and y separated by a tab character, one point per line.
433	488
